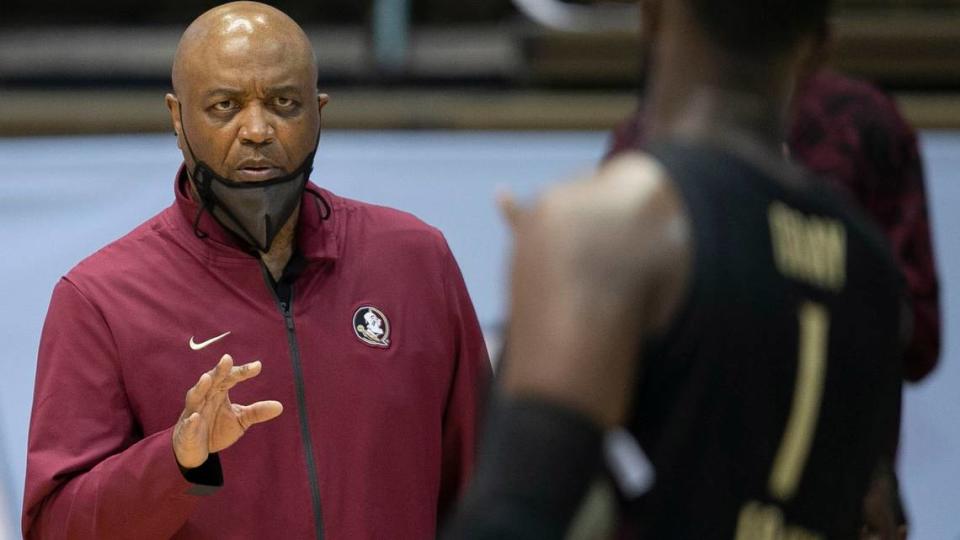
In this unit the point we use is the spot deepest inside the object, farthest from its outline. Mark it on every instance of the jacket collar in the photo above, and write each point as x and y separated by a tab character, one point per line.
316	237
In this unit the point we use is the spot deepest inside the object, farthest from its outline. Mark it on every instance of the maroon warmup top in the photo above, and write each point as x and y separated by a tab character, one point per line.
380	418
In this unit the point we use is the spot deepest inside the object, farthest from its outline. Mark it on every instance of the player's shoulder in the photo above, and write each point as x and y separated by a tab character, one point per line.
630	190
623	215
618	187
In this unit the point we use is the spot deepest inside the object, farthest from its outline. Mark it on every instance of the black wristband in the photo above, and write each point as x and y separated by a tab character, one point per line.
536	464
207	478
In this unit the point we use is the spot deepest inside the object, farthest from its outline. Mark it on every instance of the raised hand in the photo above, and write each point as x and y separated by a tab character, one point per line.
209	421
510	209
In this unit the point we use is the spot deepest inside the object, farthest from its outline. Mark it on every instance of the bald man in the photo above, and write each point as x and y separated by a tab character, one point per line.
347	359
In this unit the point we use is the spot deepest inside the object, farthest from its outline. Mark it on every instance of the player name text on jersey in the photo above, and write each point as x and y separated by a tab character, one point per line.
808	248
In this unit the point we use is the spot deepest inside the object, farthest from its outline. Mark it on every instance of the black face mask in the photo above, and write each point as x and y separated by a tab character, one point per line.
253	211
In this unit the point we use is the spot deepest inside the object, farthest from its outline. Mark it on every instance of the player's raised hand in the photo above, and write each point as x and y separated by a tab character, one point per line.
510	209
209	421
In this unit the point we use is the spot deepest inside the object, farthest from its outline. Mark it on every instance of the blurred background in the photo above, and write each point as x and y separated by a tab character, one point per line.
395	64
435	104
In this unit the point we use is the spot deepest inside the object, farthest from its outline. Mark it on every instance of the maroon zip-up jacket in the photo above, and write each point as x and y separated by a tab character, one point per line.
391	429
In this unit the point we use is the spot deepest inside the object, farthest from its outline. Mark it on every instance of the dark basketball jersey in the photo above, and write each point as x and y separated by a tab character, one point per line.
767	404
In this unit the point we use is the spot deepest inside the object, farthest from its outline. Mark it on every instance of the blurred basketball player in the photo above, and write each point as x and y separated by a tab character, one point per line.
743	324
851	134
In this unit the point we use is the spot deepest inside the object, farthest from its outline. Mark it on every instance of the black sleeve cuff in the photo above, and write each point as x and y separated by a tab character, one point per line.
536	463
206	479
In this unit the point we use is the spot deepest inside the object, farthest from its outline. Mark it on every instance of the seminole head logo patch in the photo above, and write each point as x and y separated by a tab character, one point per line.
371	326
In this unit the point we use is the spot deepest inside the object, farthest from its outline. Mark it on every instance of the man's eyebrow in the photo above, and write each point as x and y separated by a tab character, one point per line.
272	90
222	91
284	89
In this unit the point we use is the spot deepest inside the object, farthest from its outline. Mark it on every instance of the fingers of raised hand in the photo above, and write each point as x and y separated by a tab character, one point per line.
241	373
197	394
210	392
209	383
221	371
225	375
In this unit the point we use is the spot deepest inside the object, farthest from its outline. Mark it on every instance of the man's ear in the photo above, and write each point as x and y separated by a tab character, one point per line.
173	105
322	100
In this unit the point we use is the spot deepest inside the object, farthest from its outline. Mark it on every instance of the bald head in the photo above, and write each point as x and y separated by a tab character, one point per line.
245	98
241	29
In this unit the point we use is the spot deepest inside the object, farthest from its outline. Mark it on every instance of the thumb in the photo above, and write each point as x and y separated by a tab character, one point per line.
257	413
510	210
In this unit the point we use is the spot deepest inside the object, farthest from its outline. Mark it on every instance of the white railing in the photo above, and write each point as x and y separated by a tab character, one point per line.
599	17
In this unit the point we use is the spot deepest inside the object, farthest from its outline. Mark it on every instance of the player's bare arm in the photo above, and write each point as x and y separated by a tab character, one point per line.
210	422
586	256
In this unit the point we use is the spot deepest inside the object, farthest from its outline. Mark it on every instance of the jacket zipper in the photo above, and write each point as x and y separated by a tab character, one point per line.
286	310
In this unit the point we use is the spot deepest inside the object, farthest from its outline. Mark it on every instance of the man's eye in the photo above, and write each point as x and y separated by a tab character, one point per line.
225	105
283	102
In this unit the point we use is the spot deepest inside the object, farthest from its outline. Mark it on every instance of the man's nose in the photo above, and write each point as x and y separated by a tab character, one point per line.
256	128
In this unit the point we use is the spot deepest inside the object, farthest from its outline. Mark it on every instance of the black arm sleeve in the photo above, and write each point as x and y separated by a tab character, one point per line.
536	464
207	478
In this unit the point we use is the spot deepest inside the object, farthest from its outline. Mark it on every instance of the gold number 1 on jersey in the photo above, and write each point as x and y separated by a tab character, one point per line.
807	394
766	521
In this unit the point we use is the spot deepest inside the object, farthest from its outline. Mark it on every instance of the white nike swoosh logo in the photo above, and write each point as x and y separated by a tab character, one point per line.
197	346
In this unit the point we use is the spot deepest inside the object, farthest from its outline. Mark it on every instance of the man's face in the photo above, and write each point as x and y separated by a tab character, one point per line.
248	102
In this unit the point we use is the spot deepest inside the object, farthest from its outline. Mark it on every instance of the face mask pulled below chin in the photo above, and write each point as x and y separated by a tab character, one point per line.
253	211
